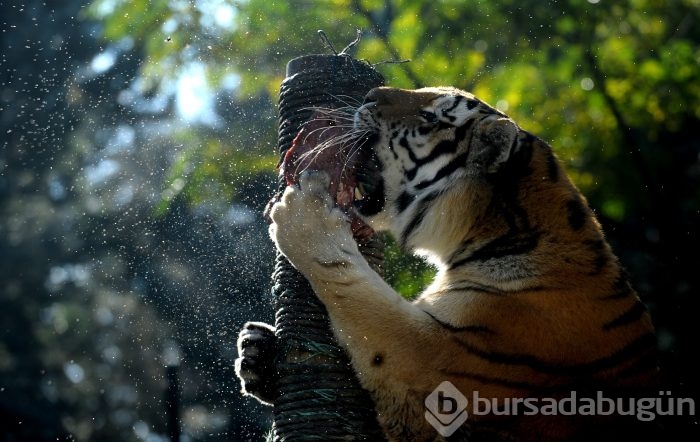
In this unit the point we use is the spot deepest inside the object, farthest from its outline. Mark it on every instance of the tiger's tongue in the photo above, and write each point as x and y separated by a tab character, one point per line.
332	159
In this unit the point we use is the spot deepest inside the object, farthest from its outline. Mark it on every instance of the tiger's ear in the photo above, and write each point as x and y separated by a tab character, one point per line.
497	141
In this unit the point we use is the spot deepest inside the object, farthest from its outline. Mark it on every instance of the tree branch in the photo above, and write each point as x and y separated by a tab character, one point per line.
383	35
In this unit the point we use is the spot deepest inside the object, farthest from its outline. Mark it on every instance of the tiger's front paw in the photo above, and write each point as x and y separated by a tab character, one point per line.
255	366
309	230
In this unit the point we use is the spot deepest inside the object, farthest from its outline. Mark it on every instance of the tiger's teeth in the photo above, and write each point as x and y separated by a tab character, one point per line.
358	194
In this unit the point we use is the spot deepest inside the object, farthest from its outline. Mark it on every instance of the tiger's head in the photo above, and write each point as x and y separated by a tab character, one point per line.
422	143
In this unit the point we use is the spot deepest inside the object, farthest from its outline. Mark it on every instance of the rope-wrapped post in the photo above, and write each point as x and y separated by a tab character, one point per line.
318	395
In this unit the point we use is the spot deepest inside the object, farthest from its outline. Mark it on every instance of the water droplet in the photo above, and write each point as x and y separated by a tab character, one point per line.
587	83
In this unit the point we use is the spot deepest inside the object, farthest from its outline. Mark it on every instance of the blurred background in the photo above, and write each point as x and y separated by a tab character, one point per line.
139	147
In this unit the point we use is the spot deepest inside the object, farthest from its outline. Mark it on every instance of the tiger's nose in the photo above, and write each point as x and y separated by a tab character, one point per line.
371	97
379	95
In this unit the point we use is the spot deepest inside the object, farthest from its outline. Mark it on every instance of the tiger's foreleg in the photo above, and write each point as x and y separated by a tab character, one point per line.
388	338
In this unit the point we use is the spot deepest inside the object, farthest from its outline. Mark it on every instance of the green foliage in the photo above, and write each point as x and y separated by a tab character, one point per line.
603	82
213	170
406	273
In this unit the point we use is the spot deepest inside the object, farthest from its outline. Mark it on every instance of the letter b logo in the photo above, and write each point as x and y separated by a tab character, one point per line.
446	404
446	409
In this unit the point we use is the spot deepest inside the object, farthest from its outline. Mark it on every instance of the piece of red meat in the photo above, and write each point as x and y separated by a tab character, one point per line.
337	159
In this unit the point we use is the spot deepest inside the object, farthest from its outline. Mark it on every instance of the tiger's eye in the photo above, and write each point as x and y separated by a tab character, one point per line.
429	117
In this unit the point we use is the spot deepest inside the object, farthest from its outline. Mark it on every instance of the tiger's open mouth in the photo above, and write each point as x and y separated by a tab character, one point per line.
356	184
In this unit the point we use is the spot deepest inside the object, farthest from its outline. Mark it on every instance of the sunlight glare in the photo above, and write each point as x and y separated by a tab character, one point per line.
194	98
103	61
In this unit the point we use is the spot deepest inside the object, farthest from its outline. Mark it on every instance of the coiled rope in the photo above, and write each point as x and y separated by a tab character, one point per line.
318	395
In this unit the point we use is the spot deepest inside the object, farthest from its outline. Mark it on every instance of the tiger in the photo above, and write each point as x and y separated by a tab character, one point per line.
528	299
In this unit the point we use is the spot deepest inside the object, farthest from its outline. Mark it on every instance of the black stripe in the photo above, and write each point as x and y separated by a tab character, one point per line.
478	329
392	149
404	200
411	173
576	213
642	343
621	287
445	114
497	291
423	206
599	264
506	245
445	171
602	257
471	104
458	99
507	186
595	245
442	125
425	130
475	287
631	315
513	145
518	164
444	147
622	280
463	247
624	293
492	380
491	290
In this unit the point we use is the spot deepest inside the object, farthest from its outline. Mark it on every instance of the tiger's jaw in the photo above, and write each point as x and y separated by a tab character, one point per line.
369	193
374	192
381	193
